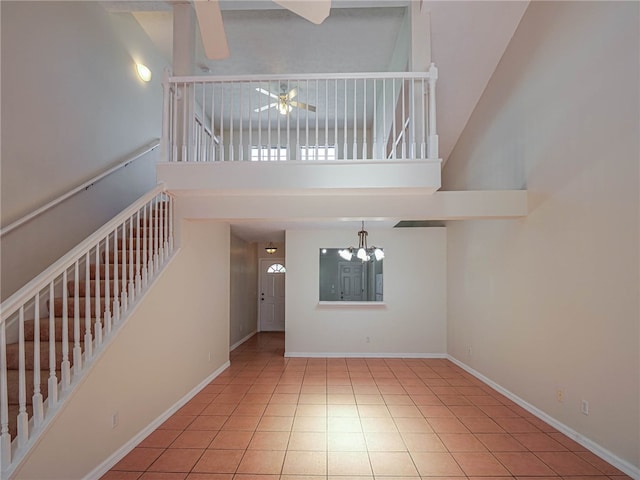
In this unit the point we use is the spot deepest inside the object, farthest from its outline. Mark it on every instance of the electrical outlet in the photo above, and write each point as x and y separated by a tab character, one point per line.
115	419
560	395
470	352
209	356
584	408
367	340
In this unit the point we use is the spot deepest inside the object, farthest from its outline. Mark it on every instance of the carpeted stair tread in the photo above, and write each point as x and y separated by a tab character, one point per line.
29	329
71	302
82	287
13	355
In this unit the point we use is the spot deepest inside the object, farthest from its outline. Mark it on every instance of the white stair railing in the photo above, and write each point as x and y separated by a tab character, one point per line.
355	116
61	320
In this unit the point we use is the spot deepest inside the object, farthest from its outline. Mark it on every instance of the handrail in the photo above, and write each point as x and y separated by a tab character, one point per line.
27	218
11	304
301	76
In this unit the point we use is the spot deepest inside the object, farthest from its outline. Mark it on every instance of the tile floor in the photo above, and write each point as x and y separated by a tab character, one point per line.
271	418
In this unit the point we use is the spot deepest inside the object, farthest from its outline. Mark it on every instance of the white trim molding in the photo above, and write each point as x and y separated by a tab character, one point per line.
600	451
119	454
362	355
241	341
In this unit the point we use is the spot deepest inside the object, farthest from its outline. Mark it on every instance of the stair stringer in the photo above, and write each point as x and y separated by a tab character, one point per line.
148	365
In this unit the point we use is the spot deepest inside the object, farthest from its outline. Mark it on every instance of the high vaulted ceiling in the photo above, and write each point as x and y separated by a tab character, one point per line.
468	38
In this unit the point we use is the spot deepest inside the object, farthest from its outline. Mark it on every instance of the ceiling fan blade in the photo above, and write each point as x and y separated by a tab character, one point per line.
293	93
304	106
214	40
266	107
313	10
267	92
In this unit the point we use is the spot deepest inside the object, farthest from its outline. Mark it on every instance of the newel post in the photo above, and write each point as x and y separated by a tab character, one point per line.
433	135
164	141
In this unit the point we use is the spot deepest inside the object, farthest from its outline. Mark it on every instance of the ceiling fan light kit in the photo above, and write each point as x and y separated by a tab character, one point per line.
284	102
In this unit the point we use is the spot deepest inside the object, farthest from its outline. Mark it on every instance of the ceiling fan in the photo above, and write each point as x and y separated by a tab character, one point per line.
284	101
211	26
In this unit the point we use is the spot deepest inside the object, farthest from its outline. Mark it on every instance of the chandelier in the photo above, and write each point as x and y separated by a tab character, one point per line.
363	252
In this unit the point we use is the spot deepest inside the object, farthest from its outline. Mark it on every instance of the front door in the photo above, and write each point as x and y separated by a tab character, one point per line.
271	308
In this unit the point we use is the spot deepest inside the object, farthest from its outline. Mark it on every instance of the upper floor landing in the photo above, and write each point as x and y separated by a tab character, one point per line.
301	133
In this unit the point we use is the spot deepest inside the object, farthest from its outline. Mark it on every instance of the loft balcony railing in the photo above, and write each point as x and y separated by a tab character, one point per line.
361	116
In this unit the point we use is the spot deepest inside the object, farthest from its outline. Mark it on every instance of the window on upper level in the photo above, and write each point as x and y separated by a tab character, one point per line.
318	152
265	154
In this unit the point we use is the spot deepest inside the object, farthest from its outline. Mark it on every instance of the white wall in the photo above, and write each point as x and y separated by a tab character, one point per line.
72	107
413	319
552	301
243	289
159	356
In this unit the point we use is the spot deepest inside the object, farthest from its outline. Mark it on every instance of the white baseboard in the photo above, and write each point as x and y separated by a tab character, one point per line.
241	341
119	454
606	455
363	355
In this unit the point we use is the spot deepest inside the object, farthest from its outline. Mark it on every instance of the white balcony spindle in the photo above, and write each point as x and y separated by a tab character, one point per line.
88	336
66	364
52	386
5	437
37	399
23	418
77	349
355	119
364	119
433	136
344	119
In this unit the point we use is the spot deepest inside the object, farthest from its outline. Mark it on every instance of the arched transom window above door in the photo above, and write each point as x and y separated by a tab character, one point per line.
276	268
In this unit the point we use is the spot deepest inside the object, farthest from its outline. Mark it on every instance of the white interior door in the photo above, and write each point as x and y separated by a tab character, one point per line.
351	285
271	308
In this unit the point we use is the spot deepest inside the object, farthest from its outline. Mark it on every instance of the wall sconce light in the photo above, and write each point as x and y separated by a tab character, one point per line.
143	72
271	248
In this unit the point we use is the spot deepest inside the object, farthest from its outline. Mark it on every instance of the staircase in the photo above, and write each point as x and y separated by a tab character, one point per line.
64	316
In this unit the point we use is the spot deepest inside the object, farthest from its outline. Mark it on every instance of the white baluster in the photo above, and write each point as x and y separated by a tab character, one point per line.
37	401
403	133
149	229
53	378
364	119
433	136
98	307
138	260
335	113
156	228
161	232
326	119
355	119
66	365
413	113
5	437
423	133
125	299
374	148
170	224
131	291
395	110
145	260
88	337
345	147
23	418
116	278
77	349
240	144
107	287
165	228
